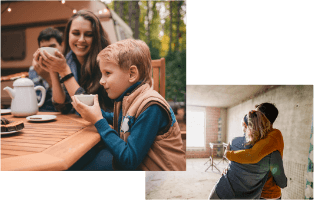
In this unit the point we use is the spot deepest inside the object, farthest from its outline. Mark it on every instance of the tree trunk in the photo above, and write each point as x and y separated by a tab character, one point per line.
170	26
115	6
130	4
178	26
121	9
148	23
137	20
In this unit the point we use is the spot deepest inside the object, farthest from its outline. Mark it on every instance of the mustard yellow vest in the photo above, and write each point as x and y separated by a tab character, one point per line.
166	152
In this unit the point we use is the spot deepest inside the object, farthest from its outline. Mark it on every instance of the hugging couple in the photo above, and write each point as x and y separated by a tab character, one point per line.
256	168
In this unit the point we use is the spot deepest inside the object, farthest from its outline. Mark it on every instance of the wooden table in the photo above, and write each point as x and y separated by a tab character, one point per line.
53	145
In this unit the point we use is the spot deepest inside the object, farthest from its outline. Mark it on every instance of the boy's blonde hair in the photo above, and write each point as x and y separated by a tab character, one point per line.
129	52
259	126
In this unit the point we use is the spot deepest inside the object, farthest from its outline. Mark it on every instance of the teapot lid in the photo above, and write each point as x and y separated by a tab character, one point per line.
23	82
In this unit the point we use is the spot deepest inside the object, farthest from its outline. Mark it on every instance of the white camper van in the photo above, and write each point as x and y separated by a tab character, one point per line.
22	21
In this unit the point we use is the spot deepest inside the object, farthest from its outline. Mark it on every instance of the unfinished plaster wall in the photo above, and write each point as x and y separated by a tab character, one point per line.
295	105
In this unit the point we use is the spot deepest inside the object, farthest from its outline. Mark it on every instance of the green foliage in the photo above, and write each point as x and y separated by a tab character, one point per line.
142	21
159	45
154	51
176	76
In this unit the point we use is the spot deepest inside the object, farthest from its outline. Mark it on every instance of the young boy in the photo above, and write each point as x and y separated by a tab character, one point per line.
145	134
272	142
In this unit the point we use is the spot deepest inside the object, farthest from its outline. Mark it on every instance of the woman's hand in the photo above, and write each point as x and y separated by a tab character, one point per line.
227	149
224	171
55	63
89	113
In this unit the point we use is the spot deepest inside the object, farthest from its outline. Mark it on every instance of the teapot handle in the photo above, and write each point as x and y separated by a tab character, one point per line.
43	94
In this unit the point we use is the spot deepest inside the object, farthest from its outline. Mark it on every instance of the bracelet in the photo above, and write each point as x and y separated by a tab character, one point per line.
66	77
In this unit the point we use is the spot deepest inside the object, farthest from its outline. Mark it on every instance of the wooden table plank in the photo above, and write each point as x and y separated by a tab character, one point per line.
42	130
45	132
25	144
13	152
81	142
34	162
24	140
54	145
6	156
22	148
46	136
34	137
69	128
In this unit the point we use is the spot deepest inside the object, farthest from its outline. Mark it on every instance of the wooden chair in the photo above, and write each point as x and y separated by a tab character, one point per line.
159	76
159	81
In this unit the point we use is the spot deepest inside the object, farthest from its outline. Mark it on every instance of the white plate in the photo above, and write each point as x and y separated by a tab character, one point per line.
41	118
10	132
5	111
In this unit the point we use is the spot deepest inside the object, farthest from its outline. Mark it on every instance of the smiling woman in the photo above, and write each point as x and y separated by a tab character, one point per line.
77	66
80	38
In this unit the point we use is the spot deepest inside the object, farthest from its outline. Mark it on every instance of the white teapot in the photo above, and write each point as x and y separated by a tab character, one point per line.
24	100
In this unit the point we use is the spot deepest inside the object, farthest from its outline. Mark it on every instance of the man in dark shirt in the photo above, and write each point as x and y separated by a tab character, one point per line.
49	37
246	181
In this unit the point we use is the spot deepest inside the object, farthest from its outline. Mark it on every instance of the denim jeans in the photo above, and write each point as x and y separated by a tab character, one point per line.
94	160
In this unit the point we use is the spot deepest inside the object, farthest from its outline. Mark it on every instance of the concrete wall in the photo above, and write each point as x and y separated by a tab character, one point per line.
295	105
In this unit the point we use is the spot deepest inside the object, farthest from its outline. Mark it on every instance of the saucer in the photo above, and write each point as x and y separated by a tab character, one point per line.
41	118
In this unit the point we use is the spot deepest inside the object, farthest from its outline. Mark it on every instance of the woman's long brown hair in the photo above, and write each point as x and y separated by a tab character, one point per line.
90	72
259	125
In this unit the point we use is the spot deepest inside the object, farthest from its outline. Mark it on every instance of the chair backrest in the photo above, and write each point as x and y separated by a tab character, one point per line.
159	76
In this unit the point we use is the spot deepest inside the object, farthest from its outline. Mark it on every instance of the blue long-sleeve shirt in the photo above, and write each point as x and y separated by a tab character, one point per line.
143	132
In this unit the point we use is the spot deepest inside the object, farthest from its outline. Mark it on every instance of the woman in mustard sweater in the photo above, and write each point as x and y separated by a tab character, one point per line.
272	142
246	181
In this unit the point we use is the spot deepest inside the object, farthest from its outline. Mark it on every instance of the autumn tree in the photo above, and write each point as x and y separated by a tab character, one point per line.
165	34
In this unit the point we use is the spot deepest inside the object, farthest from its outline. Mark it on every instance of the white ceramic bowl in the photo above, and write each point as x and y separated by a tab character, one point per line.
50	50
87	99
